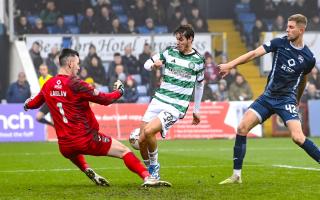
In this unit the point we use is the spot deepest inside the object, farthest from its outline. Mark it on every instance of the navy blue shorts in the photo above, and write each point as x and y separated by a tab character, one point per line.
285	107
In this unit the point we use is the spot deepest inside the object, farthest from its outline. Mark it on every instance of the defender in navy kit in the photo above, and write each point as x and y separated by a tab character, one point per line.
292	61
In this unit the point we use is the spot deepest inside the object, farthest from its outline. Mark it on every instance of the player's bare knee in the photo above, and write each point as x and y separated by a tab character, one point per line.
242	129
298	138
148	131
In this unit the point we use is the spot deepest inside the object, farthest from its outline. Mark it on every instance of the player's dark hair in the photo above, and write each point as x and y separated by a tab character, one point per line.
185	30
65	54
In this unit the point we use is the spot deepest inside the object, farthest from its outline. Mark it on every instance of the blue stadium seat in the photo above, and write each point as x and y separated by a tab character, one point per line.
246	17
117	9
79	18
70	20
143	99
32	19
247	27
143	30
161	29
142	89
50	28
137	78
242	8
74	29
123	19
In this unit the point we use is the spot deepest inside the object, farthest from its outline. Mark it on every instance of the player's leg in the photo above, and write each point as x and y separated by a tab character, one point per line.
299	138
119	150
40	116
143	145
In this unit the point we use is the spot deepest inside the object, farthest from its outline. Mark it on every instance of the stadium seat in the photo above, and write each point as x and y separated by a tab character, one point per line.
70	20
246	17
161	29
103	89
117	9
74	29
32	19
247	27
79	18
123	19
142	89
137	78
143	99
242	8
49	29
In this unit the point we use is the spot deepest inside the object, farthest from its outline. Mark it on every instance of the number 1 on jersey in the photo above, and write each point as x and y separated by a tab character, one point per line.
59	105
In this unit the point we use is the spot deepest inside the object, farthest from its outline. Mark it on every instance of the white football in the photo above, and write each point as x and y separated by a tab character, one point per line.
134	138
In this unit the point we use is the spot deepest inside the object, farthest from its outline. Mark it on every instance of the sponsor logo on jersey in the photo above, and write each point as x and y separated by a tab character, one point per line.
300	58
287	69
58	85
55	93
191	65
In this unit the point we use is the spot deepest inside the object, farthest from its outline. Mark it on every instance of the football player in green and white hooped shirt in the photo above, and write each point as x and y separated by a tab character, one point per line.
183	71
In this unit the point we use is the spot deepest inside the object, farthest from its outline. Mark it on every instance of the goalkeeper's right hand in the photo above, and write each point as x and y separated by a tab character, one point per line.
25	106
118	85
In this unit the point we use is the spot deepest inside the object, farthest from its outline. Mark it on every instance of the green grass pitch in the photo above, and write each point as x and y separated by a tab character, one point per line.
194	167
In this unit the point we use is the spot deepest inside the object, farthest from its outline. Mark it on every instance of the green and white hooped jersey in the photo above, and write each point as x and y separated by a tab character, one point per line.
179	77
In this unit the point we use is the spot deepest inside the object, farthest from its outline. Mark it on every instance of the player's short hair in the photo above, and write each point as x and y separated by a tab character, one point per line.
185	30
65	54
299	19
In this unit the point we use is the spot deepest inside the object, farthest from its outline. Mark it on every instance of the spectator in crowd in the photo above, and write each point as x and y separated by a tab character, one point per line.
98	4
240	90
149	26
314	77
50	14
200	26
130	61
92	53
131	26
117	60
44	74
286	8
195	15
156	12
89	23
118	74
184	21
172	8
300	6
139	12
104	20
155	81
39	28
269	11
207	92
51	61
258	28
117	27
279	24
222	93
60	27
231	77
23	26
35	55
175	20
143	57
188	5
19	91
130	91
97	71
211	72
314	24
311	93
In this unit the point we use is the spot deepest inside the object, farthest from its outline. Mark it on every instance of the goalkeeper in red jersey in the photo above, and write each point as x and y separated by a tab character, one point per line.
77	129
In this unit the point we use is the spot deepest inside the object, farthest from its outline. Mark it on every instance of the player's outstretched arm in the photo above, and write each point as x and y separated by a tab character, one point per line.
153	63
198	92
225	68
34	103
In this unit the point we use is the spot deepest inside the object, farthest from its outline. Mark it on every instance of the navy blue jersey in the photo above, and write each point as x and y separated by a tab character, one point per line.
289	65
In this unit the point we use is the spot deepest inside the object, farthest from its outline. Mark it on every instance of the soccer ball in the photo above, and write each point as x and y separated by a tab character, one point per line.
134	138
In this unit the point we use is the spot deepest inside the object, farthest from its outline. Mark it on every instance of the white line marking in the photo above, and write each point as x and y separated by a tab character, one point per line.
297	167
115	168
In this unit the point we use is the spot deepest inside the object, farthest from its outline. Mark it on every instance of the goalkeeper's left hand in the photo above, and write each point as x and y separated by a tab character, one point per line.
118	85
25	106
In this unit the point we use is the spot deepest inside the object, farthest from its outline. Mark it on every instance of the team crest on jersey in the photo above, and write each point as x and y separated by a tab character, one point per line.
58	85
191	65
300	58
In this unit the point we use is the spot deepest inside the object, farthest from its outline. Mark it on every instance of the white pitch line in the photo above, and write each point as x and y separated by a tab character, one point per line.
297	167
116	168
